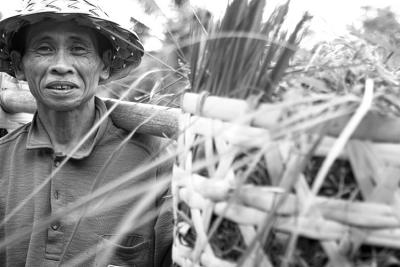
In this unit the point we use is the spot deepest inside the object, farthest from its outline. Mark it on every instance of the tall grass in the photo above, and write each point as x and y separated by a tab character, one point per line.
243	54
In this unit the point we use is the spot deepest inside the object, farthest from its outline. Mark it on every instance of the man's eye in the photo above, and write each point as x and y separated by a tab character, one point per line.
44	49
78	49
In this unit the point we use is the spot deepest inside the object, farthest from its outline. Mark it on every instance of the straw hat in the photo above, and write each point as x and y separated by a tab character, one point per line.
127	48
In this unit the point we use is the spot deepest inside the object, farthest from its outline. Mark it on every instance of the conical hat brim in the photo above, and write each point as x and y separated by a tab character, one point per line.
128	50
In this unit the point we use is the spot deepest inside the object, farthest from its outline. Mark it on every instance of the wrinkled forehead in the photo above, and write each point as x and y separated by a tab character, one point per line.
62	30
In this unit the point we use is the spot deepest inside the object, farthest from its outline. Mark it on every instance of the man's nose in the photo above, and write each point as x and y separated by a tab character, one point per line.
62	64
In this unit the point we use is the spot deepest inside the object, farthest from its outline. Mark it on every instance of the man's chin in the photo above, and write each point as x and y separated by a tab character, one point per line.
64	106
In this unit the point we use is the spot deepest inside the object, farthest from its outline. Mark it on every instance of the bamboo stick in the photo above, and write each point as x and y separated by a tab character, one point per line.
316	228
258	200
16	101
338	217
17	104
161	121
152	119
15	96
12	121
373	127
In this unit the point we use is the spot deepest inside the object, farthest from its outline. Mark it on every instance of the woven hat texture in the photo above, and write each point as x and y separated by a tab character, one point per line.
128	50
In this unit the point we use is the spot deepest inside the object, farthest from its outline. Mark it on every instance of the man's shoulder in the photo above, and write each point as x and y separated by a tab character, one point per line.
150	143
14	135
153	143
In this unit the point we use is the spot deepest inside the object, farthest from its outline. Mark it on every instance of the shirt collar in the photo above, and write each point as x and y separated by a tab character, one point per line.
39	138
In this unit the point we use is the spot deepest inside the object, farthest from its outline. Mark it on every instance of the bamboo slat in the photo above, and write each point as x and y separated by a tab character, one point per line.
263	199
149	119
374	127
12	121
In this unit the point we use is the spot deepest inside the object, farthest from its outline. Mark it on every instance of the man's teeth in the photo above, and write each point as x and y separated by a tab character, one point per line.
61	87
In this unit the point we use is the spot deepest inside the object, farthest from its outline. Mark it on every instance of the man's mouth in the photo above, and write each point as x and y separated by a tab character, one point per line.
61	86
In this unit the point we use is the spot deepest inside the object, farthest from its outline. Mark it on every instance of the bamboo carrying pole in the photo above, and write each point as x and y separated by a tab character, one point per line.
161	121
17	103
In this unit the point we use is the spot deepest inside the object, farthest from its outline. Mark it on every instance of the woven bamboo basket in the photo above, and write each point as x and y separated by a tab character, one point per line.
243	179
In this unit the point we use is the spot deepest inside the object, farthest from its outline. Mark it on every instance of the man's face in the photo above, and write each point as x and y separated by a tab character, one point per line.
62	65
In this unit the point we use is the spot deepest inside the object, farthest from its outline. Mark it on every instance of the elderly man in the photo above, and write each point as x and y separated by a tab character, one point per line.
64	49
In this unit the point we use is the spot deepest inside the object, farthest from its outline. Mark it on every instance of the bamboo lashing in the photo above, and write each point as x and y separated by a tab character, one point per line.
16	98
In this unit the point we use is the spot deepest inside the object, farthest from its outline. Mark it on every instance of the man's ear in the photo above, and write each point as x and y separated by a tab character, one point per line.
16	60
105	72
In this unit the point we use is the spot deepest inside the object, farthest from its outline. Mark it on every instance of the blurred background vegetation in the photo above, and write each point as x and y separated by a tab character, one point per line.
374	33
